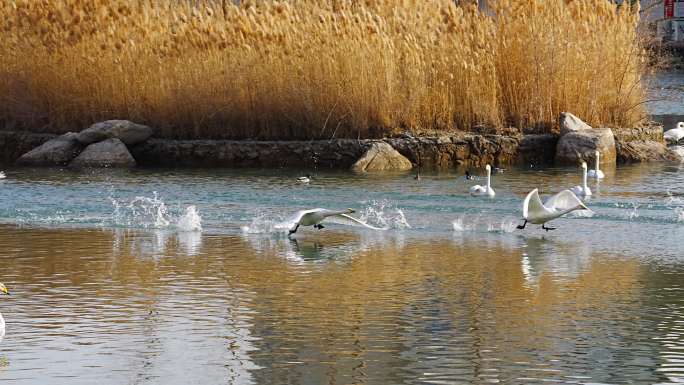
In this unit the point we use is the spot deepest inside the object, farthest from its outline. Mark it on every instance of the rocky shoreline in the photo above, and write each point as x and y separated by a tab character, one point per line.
576	142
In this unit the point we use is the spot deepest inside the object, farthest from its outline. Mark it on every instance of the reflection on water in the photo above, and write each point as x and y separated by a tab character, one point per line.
122	306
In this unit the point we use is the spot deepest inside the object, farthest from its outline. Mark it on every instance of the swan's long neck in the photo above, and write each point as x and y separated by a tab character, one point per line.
489	179
584	178
597	162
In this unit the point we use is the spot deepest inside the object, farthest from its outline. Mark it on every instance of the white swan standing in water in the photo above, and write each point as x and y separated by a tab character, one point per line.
304	179
487	190
2	175
314	217
3	290
596	173
538	213
582	190
675	134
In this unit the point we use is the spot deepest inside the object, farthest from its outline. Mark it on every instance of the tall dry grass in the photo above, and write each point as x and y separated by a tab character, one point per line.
315	69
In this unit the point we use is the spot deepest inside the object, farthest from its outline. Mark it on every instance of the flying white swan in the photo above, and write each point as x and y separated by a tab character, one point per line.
596	173
675	134
2	175
487	190
538	213
582	190
314	217
304	179
3	290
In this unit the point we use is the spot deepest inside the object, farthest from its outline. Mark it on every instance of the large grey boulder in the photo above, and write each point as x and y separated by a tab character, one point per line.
570	123
108	153
579	142
55	152
381	157
128	132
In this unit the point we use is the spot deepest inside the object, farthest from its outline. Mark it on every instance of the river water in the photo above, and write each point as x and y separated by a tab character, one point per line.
184	277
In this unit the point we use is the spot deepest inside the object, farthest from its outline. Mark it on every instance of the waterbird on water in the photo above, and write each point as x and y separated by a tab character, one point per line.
538	213
596	173
304	179
3	290
2	175
486	190
468	176
583	190
675	134
314	217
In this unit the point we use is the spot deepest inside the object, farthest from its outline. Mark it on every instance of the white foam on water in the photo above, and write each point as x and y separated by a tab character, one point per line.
477	223
634	213
264	224
677	205
152	213
384	214
190	221
141	212
679	212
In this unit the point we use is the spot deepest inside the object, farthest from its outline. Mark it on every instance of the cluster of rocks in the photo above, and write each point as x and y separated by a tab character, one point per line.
578	142
103	144
121	143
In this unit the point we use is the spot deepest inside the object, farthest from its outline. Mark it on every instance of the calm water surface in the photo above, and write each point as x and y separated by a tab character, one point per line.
111	285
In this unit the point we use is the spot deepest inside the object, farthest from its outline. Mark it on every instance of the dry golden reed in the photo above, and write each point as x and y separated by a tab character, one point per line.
317	69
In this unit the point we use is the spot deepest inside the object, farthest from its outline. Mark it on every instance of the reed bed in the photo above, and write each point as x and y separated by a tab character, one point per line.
318	69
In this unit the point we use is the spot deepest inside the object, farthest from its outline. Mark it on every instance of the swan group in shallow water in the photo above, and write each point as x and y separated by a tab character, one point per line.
533	210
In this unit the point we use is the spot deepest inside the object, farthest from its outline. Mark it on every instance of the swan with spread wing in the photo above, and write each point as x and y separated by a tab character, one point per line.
538	213
314	217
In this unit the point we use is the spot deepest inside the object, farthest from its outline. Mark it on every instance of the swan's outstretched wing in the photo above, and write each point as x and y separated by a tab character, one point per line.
532	205
565	200
344	219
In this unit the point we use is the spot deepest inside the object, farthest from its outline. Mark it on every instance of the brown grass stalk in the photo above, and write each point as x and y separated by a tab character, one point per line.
313	69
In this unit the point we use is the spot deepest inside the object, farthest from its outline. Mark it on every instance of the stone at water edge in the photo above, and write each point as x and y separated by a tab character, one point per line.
579	146
107	153
380	156
570	123
55	152
679	150
128	132
638	151
579	142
